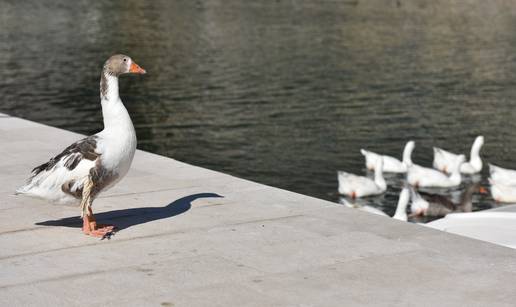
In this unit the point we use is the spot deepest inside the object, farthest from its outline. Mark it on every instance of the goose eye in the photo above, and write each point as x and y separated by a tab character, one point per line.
125	60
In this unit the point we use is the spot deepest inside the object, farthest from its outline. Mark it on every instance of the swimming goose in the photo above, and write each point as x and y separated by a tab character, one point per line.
443	160
502	193
89	166
426	204
390	164
359	186
419	176
502	176
401	208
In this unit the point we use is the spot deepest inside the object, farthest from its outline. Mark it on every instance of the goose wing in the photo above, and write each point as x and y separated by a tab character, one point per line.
71	156
63	170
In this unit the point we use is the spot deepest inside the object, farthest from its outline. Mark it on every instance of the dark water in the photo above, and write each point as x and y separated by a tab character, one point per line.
280	92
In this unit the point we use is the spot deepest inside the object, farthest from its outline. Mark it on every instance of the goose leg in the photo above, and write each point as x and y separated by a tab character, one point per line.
89	224
90	227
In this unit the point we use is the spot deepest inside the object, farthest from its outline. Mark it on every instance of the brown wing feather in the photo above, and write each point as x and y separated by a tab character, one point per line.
72	155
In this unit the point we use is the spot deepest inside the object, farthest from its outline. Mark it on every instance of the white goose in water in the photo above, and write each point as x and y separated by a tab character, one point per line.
443	160
502	176
419	176
390	164
359	186
84	169
502	193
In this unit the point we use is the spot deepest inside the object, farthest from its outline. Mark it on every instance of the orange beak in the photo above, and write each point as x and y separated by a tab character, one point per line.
135	69
483	190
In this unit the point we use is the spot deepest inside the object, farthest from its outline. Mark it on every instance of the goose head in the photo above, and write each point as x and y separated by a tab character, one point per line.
370	159
479	141
115	66
419	205
119	64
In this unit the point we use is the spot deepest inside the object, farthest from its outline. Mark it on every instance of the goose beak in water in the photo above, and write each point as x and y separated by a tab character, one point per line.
482	190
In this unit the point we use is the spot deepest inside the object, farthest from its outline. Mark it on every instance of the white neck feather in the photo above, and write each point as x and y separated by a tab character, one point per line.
407	153
109	90
401	208
113	111
474	157
378	174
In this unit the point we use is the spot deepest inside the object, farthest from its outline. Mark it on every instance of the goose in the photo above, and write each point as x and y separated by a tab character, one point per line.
443	160
420	176
502	176
359	186
90	166
502	193
390	164
426	204
401	207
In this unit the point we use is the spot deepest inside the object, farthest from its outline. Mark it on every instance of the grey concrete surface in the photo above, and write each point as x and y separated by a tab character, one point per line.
180	244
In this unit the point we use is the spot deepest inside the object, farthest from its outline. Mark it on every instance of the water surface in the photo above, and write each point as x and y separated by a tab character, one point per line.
280	92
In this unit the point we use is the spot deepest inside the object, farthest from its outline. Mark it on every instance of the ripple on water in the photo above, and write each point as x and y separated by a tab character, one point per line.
284	93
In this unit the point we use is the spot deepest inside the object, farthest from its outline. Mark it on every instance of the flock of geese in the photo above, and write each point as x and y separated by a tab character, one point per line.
447	172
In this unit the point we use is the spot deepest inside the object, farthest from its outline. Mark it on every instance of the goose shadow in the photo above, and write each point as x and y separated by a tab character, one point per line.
126	218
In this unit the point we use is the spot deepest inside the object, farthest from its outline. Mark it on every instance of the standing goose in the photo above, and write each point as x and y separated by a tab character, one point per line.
359	186
390	164
77	175
443	160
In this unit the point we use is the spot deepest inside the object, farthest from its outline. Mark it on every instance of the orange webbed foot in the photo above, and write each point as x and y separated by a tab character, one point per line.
91	228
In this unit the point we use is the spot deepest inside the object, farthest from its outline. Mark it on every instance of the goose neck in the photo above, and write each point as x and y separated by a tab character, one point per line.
109	87
379	180
407	153
401	208
475	154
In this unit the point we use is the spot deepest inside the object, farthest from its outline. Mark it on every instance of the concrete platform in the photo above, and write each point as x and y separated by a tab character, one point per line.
194	237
